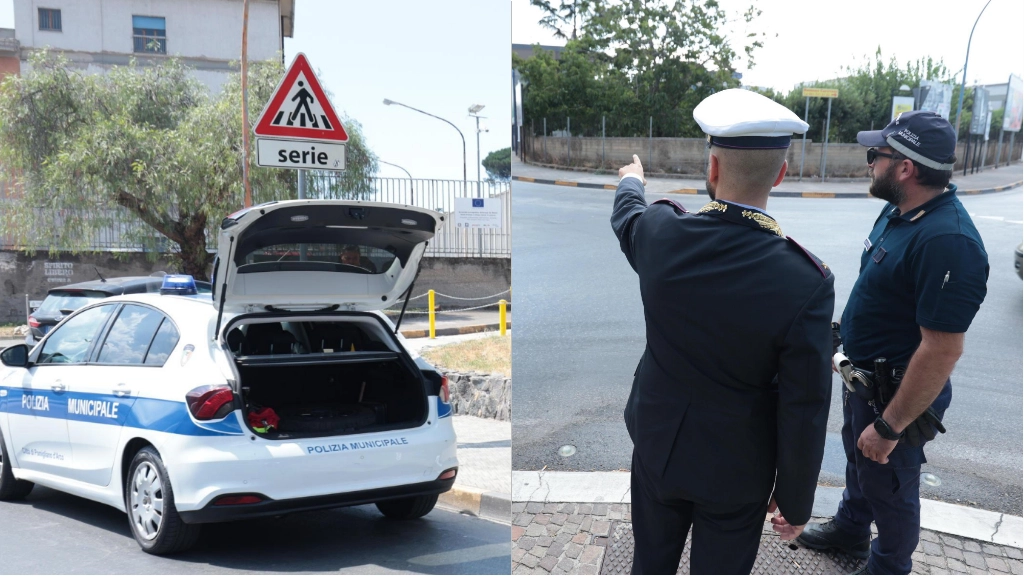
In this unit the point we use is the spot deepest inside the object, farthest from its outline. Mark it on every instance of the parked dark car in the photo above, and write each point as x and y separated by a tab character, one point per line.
64	300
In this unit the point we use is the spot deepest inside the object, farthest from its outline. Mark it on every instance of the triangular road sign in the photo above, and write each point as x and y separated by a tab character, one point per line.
299	109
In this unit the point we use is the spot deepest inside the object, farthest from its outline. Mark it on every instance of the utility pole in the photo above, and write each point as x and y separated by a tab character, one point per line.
245	104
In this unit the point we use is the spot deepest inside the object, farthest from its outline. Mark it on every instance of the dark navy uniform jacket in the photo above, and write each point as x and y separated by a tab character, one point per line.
732	393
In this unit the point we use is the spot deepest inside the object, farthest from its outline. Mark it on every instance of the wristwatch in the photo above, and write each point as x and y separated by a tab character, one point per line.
886	431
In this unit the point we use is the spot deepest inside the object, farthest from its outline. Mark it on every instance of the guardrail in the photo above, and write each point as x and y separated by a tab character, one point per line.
432	310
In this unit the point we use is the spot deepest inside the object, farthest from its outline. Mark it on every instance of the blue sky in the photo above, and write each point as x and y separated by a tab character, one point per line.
440	56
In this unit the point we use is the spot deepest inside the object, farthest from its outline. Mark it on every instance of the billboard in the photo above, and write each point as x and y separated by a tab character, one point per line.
979	114
936	97
1014	108
901	104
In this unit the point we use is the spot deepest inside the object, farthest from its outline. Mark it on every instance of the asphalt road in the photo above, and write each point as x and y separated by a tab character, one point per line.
580	333
54	533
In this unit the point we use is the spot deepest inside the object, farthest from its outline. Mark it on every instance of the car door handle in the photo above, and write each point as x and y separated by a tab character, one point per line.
121	392
58	387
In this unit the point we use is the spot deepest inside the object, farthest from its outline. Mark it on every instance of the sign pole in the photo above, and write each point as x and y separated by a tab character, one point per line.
245	105
803	145
824	160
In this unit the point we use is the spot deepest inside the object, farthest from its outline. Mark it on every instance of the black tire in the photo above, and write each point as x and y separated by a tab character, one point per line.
326	418
407	508
171	534
10	487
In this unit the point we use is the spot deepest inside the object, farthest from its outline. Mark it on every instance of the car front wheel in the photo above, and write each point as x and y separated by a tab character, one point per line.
149	500
10	487
407	508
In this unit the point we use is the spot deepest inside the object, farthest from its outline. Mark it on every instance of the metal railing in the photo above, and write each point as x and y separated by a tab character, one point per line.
438	195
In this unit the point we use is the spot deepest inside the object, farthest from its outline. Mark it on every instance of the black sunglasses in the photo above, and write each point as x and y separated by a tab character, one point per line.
874	154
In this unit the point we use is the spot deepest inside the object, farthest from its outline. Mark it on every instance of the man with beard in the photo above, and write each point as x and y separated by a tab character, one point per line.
922	280
729	404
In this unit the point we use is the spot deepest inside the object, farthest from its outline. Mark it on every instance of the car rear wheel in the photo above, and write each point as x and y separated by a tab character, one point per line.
10	487
407	508
149	500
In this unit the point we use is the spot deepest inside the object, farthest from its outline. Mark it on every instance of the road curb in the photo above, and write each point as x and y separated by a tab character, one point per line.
491	505
456	331
613	487
772	194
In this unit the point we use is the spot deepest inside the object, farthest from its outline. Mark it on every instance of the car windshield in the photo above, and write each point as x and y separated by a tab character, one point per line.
68	300
356	258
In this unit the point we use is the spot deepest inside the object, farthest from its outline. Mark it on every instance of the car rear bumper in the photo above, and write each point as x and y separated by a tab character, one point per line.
212	513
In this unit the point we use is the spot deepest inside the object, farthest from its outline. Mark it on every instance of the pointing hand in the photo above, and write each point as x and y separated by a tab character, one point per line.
634	168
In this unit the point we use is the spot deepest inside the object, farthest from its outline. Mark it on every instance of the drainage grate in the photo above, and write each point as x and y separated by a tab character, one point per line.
773	556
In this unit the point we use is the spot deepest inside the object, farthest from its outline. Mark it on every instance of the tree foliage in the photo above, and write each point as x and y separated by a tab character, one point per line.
637	62
143	148
865	96
499	164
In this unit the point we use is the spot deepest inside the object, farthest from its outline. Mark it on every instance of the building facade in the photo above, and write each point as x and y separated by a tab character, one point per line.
205	34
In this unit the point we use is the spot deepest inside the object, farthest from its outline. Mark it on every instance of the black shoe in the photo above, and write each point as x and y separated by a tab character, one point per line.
863	569
829	535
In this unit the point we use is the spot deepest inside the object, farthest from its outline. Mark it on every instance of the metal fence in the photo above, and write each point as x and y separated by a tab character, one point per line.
438	195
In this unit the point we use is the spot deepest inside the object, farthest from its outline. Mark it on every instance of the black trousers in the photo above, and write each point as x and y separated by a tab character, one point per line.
725	537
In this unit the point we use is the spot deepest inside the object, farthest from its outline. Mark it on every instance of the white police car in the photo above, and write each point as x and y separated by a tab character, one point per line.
289	391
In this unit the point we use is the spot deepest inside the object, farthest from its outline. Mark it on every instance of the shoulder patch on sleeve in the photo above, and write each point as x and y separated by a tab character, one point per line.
822	267
672	202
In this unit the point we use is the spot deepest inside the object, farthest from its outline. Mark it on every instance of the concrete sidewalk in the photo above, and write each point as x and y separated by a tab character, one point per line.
580	523
483	486
984	182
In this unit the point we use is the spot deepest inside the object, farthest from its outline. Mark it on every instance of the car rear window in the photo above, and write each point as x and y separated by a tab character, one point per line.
355	257
69	300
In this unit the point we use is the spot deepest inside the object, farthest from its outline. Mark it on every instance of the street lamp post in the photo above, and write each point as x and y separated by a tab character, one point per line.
474	112
412	190
963	82
390	102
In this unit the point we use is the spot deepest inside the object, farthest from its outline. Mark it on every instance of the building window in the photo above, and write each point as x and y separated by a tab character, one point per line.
49	19
149	34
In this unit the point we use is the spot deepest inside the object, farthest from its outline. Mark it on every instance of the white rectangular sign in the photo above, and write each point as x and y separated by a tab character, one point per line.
480	213
300	154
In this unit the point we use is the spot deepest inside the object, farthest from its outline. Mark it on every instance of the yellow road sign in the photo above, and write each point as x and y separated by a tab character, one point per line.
821	92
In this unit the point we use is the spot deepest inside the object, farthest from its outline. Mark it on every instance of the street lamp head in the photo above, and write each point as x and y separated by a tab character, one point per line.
388	102
904	87
476	108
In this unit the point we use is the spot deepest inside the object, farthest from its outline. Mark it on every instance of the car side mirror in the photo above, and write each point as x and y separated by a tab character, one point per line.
15	356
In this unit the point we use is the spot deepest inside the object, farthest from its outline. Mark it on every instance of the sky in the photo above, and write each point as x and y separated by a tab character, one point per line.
811	40
441	61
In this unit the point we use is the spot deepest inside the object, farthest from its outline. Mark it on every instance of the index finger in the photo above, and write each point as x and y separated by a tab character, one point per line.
636	160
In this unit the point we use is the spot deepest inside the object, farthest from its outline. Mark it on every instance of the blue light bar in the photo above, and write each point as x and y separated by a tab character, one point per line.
179	285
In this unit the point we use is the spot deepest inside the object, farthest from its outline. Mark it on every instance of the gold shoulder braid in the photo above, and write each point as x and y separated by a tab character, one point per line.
763	221
713	206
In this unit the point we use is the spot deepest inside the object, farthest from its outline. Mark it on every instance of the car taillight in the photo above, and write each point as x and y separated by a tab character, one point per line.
233	500
449	473
445	394
210	402
33	322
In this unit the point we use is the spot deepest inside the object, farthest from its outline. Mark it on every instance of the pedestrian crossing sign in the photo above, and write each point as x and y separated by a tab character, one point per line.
299	109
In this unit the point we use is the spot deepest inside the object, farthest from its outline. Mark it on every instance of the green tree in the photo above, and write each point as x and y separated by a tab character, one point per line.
563	18
636	62
499	164
143	147
865	96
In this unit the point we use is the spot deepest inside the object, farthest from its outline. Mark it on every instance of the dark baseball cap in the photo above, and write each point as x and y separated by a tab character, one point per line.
923	136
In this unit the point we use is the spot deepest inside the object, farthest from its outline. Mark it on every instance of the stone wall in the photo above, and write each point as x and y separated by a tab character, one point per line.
35	273
482	395
689	155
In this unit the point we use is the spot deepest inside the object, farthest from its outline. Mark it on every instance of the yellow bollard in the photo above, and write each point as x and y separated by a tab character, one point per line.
501	315
430	303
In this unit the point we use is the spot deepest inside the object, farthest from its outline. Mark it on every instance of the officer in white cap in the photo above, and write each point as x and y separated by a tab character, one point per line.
728	407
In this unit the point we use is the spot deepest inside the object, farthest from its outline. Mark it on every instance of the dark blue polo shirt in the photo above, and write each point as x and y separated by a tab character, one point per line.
926	268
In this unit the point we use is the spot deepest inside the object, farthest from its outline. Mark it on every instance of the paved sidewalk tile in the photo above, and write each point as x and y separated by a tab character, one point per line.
485	453
584	538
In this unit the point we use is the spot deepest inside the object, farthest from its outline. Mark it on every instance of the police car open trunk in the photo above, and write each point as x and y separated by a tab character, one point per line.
298	282
310	376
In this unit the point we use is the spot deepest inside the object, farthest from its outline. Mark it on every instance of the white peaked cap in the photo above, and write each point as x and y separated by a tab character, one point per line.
752	119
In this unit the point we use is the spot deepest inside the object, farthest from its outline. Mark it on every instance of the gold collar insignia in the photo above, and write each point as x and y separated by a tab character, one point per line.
764	221
713	206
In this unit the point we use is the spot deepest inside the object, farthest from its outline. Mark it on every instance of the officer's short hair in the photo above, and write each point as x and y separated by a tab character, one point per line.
928	177
757	168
